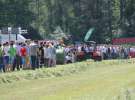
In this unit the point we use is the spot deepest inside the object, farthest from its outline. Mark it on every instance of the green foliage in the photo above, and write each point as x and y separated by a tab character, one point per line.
15	13
75	17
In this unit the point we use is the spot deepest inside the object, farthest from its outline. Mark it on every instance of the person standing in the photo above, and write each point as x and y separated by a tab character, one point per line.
18	61
1	59
23	52
46	54
6	57
34	55
12	55
41	55
51	55
28	60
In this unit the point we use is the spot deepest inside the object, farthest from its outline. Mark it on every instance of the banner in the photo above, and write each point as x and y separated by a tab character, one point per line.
123	40
88	34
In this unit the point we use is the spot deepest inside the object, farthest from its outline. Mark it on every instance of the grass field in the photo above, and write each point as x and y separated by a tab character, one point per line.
107	80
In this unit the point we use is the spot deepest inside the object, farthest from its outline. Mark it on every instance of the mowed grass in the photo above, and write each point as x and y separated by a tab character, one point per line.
88	80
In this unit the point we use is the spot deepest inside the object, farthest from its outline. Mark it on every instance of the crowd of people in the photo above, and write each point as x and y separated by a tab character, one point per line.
35	54
102	52
27	55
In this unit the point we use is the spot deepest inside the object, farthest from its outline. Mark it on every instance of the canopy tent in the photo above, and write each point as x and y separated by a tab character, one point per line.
88	34
5	38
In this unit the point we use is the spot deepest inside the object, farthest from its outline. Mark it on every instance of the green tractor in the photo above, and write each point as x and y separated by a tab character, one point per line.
60	55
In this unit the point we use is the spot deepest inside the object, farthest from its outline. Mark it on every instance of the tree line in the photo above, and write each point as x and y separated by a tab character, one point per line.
75	17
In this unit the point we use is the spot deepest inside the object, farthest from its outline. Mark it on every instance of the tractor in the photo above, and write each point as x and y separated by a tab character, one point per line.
95	53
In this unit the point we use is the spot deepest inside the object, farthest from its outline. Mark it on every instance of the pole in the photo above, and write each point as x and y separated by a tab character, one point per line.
19	32
9	36
122	10
110	19
38	9
16	36
0	37
9	32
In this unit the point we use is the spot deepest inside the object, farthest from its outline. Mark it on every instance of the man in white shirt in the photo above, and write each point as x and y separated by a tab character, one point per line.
6	56
51	55
1	59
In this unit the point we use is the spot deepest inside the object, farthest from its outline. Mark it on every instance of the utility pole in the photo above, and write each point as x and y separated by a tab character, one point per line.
122	10
38	13
9	33
0	37
110	19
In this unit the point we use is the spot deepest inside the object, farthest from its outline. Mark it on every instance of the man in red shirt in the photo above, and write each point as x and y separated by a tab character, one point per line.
23	52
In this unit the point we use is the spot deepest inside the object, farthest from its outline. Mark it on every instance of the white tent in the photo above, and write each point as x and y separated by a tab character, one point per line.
5	38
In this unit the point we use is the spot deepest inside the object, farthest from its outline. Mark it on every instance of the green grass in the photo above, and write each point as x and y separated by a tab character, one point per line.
107	80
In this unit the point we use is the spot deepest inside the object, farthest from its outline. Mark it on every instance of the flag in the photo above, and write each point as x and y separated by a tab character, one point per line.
88	34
